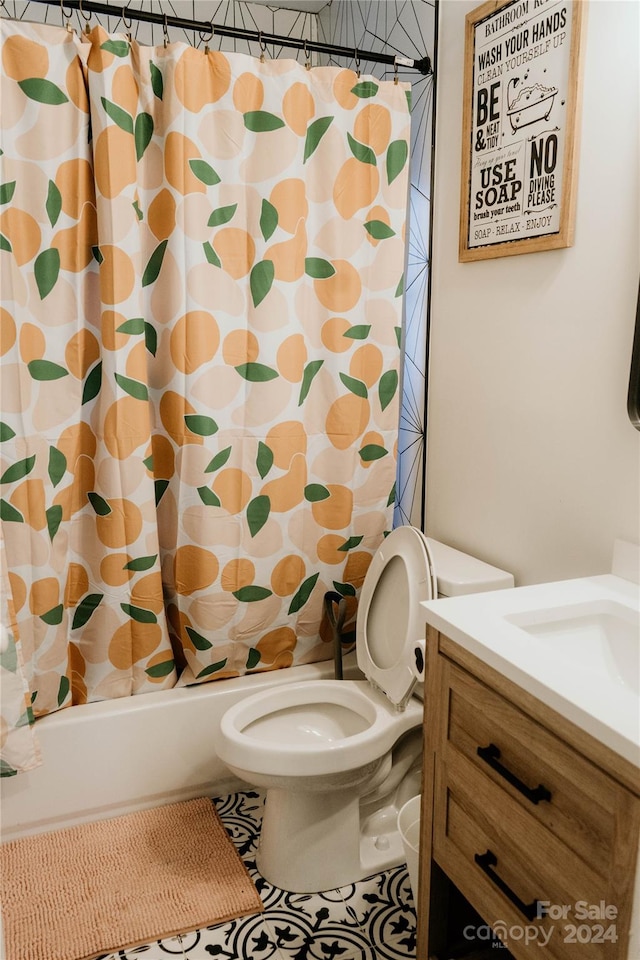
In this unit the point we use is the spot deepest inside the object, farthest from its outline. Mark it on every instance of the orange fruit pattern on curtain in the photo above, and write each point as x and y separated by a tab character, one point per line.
202	263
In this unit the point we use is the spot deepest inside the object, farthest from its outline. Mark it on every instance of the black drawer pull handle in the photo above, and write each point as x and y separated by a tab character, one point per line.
488	860
491	755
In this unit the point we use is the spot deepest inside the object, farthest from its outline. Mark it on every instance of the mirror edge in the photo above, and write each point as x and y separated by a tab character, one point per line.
633	396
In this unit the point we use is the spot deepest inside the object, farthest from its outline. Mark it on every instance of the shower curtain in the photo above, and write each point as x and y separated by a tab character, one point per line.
202	273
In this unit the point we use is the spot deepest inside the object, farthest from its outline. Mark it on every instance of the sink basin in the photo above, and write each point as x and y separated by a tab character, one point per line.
572	644
600	637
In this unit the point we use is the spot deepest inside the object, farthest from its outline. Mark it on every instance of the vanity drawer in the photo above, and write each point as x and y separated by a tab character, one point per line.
504	861
551	782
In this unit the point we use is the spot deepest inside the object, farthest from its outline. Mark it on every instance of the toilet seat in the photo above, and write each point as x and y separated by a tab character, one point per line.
390	623
286	733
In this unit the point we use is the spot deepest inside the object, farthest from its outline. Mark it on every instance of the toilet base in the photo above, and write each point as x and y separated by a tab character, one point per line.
312	842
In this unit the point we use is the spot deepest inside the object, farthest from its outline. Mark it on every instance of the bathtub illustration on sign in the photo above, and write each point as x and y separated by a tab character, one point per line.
531	104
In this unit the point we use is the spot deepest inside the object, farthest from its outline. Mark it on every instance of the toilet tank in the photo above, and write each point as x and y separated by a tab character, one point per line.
458	573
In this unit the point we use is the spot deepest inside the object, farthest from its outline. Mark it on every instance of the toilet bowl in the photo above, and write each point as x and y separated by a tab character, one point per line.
336	731
338	758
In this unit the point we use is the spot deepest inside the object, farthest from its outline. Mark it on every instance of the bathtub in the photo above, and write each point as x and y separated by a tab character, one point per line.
117	756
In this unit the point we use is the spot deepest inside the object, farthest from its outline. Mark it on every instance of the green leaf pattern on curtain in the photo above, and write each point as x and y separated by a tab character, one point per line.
200	411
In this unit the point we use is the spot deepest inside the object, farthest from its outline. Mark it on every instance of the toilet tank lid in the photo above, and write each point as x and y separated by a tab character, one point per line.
458	573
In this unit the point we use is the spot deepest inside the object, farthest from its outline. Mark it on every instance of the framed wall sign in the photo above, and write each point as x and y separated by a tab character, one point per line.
522	84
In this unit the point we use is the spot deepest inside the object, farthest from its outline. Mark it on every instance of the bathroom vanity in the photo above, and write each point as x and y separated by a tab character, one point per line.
531	794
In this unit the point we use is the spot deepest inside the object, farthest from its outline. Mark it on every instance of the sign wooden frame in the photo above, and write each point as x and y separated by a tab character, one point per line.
522	97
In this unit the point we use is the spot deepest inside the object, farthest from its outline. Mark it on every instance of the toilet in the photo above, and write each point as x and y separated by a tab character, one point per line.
338	758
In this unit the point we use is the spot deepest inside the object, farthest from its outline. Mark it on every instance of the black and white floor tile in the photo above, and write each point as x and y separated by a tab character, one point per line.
370	920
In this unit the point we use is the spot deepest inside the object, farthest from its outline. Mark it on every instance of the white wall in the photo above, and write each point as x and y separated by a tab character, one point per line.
533	464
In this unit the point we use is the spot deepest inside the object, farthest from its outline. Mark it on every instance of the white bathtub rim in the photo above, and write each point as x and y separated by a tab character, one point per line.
114	757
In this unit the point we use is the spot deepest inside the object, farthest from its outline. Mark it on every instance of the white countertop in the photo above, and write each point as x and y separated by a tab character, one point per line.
604	706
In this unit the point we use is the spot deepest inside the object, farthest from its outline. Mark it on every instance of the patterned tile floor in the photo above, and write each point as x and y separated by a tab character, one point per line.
371	920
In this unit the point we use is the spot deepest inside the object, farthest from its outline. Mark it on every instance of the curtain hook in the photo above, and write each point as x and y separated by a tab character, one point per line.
263	46
165	31
307	61
209	38
87	28
127	26
395	72
66	18
357	63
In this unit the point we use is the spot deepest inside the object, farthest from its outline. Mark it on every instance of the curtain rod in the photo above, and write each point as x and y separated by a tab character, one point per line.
313	46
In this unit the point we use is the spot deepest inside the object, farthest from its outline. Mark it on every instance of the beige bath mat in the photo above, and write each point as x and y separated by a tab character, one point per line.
100	887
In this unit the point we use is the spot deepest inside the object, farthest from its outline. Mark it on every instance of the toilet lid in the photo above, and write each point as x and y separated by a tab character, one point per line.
389	618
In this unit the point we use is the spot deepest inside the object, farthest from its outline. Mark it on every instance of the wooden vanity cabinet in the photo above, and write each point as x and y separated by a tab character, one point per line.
534	822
